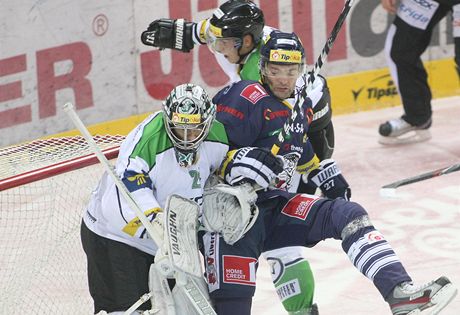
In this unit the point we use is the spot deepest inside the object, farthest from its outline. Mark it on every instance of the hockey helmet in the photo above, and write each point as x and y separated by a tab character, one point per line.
188	116
282	49
235	19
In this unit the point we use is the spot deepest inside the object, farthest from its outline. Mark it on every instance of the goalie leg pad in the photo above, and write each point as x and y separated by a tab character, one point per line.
181	228
293	279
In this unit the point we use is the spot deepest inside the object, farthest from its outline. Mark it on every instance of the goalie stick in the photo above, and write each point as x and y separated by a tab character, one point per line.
286	130
389	190
185	276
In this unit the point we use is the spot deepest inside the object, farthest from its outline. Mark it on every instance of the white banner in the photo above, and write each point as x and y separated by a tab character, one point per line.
89	53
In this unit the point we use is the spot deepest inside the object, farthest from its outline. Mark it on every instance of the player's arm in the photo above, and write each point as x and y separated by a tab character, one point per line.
242	117
249	164
175	34
136	178
321	130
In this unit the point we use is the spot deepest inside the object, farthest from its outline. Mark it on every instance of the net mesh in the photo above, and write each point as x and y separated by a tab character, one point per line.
42	263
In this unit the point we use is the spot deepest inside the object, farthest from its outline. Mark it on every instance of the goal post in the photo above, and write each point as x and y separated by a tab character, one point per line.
44	187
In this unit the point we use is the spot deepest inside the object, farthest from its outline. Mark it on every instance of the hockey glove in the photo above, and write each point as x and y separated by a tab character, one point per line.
330	180
167	33
254	165
230	210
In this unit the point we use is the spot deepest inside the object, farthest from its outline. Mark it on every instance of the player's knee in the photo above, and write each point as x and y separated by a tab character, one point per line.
349	218
355	223
292	277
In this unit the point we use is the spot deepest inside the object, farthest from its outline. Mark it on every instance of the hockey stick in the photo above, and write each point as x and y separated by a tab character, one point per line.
70	111
390	189
288	125
193	292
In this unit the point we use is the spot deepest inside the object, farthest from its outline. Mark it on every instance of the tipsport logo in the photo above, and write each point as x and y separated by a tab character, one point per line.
186	118
376	89
285	56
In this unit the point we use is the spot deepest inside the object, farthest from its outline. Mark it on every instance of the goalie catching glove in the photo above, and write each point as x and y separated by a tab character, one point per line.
254	165
167	33
329	179
230	210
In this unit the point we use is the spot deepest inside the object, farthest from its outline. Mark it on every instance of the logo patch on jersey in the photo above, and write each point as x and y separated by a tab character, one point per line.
270	115
230	110
212	260
135	181
299	206
373	237
288	290
238	269
253	93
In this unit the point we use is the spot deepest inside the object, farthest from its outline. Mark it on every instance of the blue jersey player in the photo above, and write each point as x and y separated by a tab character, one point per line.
253	113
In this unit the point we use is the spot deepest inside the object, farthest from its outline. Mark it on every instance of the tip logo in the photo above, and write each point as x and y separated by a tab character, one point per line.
186	118
285	56
382	86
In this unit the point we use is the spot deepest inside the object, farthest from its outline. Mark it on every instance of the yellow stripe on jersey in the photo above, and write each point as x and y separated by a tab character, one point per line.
203	30
228	159
275	149
311	165
133	225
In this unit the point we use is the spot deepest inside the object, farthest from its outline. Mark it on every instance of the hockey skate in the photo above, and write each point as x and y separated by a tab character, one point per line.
398	131
408	299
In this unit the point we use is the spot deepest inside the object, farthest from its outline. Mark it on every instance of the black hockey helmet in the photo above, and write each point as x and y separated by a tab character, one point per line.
282	48
236	18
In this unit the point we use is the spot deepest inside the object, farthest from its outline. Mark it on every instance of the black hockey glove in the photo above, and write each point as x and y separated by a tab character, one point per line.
167	33
330	180
254	165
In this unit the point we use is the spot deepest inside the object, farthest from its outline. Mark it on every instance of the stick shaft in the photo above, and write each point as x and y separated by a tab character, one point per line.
424	176
70	111
285	131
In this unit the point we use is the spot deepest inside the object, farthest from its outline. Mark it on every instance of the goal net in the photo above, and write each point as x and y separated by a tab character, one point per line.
44	187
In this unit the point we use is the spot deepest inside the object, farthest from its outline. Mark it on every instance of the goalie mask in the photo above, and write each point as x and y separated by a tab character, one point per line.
231	22
188	116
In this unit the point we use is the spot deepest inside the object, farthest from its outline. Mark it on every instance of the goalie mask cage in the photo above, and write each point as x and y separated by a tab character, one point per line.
44	188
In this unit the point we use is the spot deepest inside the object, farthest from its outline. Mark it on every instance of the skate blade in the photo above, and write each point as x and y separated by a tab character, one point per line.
438	302
414	136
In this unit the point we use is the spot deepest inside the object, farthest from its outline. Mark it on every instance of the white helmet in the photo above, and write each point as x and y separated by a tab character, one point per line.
188	116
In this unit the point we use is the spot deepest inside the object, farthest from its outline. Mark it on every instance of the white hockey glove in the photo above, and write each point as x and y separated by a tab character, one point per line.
254	165
230	210
330	180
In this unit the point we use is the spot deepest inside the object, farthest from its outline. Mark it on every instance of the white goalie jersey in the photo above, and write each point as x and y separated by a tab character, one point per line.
148	167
